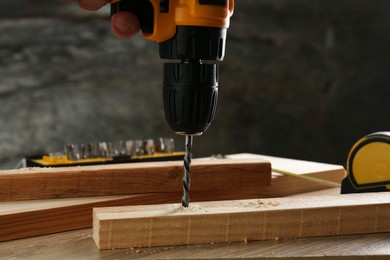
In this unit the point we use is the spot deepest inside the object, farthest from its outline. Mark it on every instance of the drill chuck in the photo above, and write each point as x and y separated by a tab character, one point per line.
190	88
190	93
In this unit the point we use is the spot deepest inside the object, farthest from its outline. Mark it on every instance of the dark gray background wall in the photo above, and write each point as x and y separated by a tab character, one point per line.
301	79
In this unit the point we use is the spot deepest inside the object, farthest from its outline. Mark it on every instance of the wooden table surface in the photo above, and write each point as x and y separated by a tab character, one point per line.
79	245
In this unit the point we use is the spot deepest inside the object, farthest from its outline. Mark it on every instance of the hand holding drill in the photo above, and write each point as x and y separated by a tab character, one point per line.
124	25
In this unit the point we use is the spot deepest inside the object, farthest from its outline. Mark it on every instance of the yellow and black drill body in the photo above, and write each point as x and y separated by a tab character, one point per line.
188	32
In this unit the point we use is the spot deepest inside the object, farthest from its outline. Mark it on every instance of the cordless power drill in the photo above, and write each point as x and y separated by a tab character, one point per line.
189	32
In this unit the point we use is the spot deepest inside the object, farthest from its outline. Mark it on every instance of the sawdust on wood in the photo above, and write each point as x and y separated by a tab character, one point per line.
261	203
180	209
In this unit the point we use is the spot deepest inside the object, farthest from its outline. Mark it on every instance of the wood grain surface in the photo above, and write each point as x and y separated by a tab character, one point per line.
132	178
228	221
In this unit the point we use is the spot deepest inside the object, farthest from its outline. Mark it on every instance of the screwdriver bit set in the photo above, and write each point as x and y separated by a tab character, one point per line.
143	150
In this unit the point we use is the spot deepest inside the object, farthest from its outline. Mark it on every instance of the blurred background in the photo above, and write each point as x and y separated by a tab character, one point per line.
301	79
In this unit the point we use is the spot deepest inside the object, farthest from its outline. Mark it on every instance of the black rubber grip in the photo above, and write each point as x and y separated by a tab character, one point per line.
190	96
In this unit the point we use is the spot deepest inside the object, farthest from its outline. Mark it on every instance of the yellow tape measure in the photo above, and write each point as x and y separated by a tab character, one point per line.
368	164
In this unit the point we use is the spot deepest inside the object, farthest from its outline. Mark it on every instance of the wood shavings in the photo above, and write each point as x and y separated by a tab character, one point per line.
180	209
260	203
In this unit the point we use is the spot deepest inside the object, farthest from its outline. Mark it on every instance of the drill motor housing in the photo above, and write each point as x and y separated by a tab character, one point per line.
189	32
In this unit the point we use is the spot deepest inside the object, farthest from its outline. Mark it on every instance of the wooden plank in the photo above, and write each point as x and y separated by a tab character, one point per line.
31	218
242	220
285	185
132	178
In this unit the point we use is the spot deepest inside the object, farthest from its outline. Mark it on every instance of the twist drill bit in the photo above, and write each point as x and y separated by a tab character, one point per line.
185	201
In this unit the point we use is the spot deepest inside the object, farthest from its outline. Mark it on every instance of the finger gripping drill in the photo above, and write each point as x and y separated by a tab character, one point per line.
189	32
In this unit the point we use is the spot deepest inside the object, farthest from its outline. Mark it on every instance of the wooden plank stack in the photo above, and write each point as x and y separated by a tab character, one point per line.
37	201
141	183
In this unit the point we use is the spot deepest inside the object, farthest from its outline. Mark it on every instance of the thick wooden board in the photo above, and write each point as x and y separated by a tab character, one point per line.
132	178
242	220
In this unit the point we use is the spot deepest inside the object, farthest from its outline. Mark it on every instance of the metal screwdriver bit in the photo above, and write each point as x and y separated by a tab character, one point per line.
185	201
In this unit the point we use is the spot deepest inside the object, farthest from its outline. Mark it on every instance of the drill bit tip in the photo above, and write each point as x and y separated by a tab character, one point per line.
185	201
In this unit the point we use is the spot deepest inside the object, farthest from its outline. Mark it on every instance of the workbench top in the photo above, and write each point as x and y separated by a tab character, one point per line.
79	245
